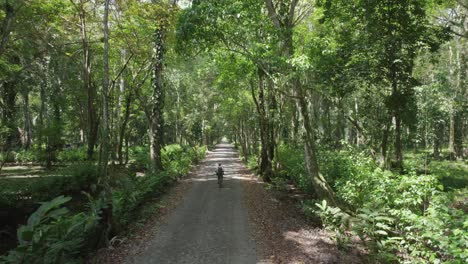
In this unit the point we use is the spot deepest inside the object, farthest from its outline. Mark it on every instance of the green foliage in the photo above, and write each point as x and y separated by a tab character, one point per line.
38	155
70	180
139	158
72	155
293	166
27	156
131	191
176	159
252	162
399	213
53	235
334	219
336	166
397	216
451	173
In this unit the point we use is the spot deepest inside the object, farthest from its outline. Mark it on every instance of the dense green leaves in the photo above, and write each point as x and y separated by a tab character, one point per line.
364	98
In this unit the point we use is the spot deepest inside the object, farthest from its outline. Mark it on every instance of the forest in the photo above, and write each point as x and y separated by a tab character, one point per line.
362	105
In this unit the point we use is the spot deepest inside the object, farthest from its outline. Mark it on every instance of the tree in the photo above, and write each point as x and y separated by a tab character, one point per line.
285	17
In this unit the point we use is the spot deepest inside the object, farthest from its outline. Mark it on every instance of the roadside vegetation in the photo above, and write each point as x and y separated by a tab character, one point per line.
361	105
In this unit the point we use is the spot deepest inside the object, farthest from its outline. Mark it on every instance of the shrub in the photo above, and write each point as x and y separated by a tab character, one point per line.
72	155
401	218
252	162
53	235
404	214
28	156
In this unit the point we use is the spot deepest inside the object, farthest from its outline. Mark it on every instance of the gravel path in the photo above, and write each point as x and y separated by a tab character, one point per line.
210	225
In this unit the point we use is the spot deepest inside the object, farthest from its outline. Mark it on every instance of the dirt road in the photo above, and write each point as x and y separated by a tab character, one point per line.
210	225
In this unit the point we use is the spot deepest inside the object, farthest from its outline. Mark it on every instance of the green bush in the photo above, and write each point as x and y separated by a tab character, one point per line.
27	156
53	235
252	162
401	218
72	155
333	165
140	158
405	214
176	161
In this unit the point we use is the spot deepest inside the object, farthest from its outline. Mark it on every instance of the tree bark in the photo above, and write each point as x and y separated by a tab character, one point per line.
458	71
6	25
264	165
156	126
321	187
27	120
384	143
92	120
106	215
9	111
438	136
284	23
398	145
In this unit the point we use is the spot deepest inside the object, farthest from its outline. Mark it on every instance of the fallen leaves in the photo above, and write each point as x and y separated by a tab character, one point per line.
282	233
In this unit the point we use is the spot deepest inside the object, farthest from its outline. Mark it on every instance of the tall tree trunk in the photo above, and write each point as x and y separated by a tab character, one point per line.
92	120
284	23
27	120
9	94
156	126
321	187
106	216
271	117
359	137
6	25
42	113
54	140
452	134
452	108
264	167
458	71
398	143
438	136
295	125
461	98
384	143
120	91
123	128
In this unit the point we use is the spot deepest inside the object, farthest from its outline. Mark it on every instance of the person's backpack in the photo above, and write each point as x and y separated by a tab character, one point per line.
220	171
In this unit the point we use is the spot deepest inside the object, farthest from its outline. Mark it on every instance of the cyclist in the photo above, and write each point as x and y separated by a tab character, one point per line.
220	173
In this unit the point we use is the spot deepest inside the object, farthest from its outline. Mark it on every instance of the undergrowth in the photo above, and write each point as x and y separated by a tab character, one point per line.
54	234
411	218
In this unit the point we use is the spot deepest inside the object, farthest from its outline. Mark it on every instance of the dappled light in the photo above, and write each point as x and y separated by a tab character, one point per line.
210	223
233	131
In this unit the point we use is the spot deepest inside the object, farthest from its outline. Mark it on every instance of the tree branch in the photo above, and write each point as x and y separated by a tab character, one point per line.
273	14
9	15
292	10
121	70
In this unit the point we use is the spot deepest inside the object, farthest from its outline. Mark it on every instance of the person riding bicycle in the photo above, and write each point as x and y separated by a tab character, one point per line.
220	173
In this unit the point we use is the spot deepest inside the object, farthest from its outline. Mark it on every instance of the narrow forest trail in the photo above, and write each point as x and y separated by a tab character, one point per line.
211	224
